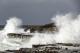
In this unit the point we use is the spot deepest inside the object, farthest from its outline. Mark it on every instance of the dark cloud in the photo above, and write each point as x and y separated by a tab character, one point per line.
35	11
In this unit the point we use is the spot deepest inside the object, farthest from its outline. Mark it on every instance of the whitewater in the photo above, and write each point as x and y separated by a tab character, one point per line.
68	26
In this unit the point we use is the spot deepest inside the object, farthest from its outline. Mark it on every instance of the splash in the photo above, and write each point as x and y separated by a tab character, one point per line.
69	28
68	32
13	25
42	38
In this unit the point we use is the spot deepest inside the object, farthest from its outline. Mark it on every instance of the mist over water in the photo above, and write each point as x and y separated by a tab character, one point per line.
68	26
13	25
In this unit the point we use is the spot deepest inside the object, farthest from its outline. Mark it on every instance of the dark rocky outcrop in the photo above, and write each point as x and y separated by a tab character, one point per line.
42	28
18	35
47	48
1	27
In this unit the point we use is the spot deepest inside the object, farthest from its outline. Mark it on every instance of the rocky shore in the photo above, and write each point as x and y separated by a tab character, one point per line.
43	48
40	28
49	48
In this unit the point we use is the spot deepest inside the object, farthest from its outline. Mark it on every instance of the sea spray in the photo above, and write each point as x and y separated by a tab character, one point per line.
69	28
12	26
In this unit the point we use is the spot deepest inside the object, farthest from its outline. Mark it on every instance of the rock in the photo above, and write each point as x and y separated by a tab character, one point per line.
17	35
42	28
48	48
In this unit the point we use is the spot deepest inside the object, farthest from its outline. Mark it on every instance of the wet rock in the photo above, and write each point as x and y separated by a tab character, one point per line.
48	48
17	35
42	28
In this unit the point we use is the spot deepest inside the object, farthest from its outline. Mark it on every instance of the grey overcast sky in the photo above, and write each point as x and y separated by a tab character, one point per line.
36	11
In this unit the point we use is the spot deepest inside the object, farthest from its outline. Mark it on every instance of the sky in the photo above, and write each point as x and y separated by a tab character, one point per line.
36	11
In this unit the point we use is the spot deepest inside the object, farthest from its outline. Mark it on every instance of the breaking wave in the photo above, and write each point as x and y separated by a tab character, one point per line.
68	26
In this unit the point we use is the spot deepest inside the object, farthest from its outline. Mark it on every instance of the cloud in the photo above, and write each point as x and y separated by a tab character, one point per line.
34	11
